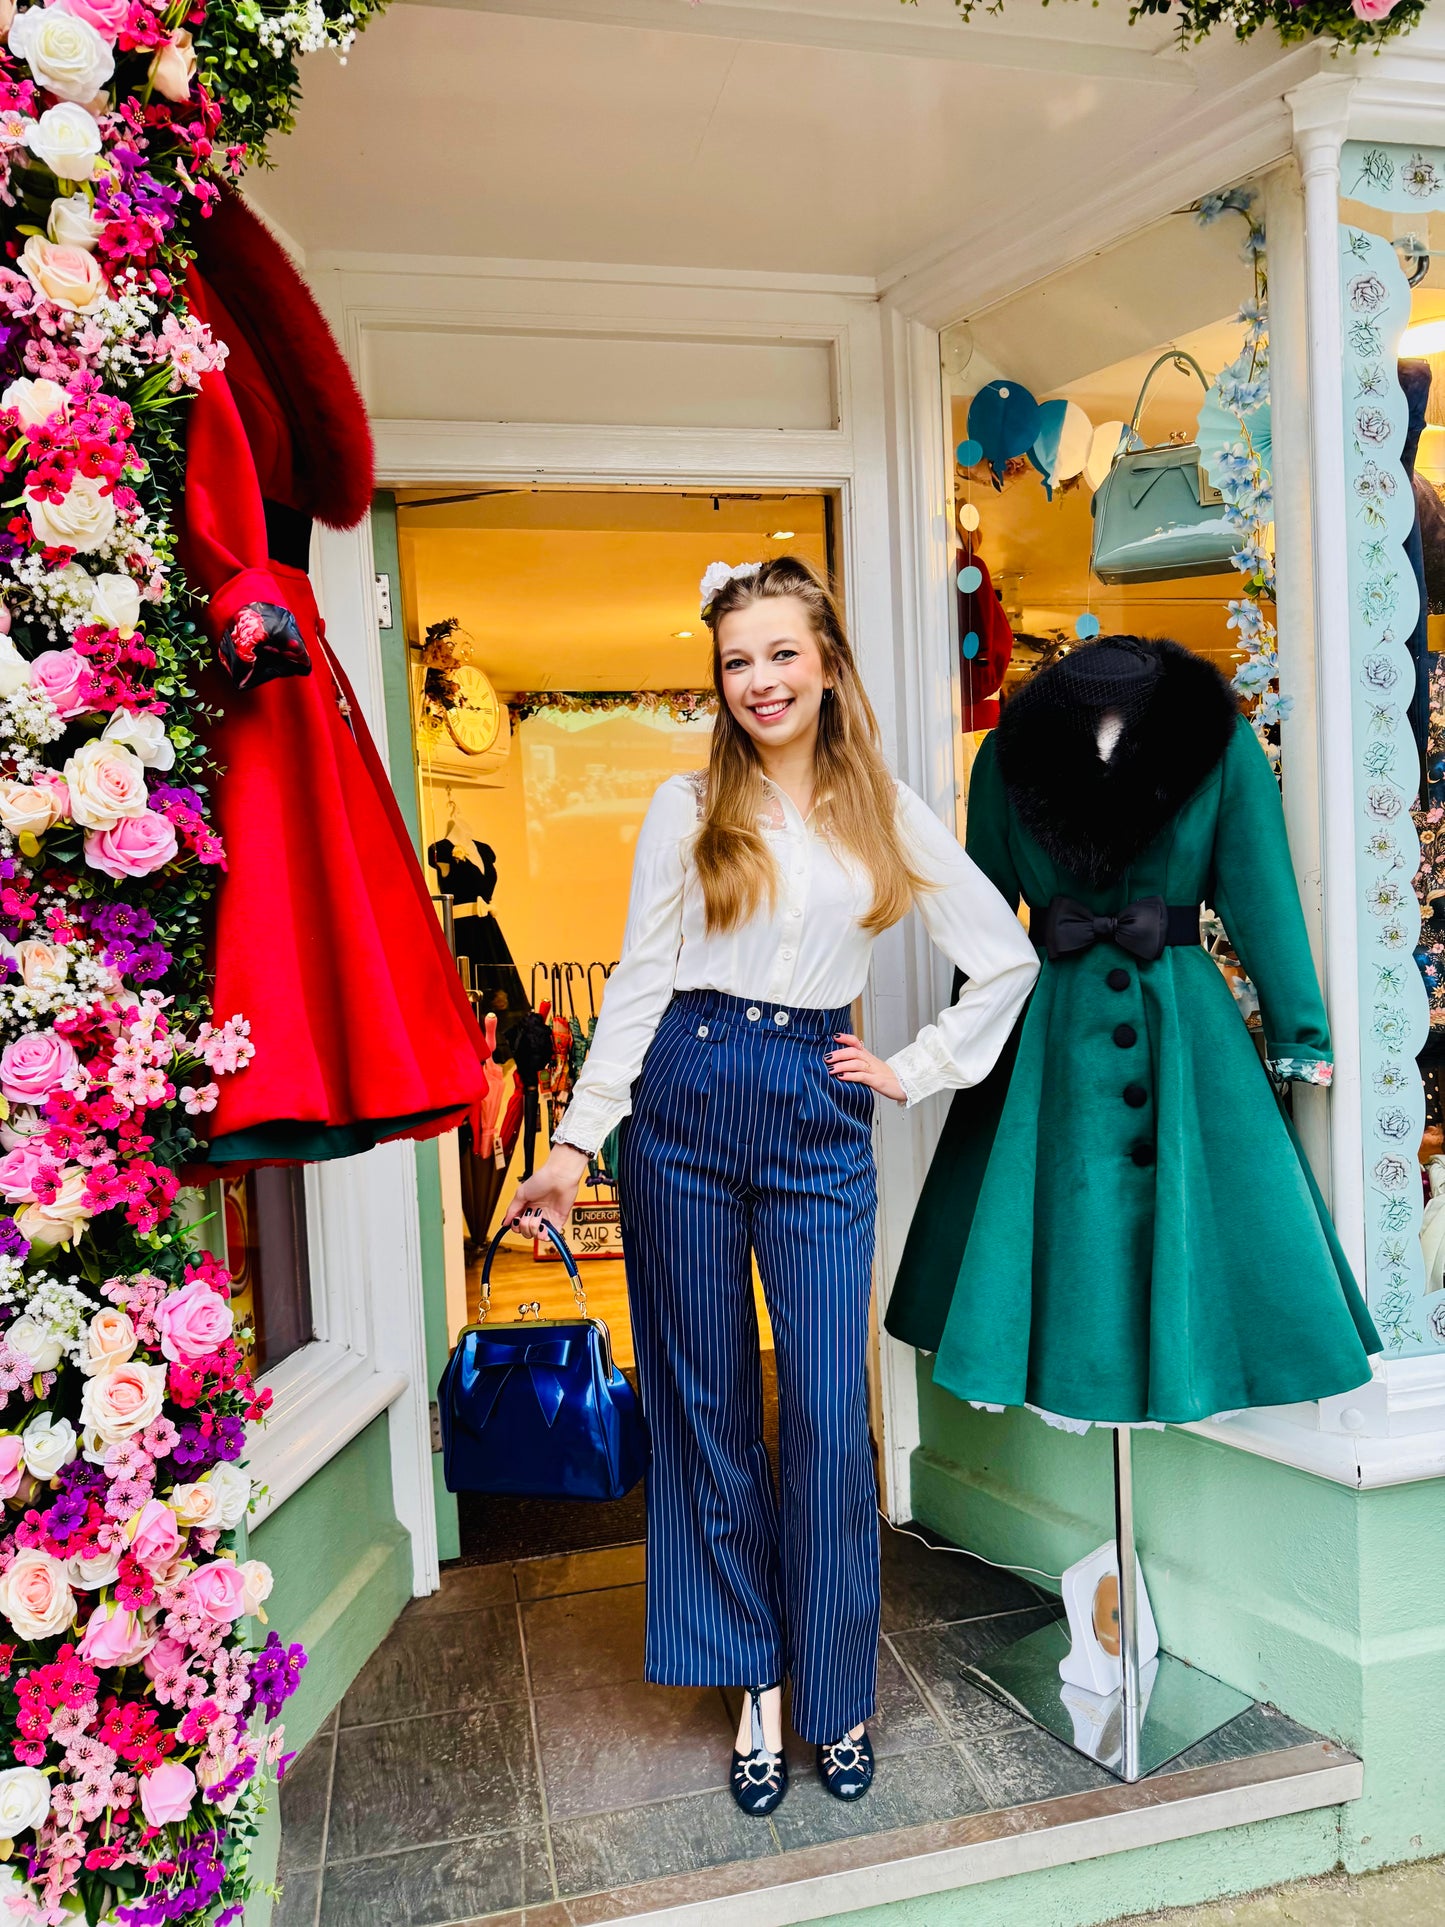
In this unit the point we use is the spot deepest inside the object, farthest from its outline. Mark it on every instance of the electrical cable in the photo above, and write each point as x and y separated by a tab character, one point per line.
999	1565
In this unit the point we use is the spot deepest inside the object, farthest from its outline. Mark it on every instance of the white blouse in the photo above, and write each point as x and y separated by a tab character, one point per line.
810	950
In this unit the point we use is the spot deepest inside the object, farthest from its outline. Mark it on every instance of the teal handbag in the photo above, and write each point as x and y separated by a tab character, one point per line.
1157	516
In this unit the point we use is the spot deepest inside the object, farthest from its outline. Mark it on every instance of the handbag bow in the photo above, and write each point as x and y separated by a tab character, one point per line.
491	1362
1141	927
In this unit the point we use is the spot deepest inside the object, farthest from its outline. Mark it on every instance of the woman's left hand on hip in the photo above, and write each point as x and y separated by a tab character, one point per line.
856	1065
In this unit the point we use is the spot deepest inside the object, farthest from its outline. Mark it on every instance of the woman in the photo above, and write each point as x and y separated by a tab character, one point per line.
757	892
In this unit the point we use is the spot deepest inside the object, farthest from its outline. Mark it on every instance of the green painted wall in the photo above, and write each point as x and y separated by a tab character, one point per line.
343	1573
1323	1600
428	1172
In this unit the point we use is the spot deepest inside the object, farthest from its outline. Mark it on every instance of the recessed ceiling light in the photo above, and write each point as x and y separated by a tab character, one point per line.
780	535
681	635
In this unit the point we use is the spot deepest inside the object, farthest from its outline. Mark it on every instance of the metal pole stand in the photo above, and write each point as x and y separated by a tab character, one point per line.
1157	1712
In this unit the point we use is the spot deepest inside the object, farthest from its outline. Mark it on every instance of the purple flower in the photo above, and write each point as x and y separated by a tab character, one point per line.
115	921
166	796
275	1675
13	1242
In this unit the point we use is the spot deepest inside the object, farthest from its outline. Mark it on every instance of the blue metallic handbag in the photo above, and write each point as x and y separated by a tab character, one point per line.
538	1409
1157	515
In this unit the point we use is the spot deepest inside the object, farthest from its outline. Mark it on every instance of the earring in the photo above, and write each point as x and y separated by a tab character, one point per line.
828	695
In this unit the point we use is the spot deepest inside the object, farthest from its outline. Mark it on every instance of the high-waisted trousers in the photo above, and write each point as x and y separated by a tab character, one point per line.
741	1142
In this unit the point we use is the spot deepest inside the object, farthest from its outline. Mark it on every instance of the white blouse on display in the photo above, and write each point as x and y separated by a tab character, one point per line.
809	950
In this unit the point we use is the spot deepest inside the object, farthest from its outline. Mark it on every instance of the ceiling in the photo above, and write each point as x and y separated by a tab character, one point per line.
842	137
586	589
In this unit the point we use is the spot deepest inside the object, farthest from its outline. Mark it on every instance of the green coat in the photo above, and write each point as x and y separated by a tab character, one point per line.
1119	1224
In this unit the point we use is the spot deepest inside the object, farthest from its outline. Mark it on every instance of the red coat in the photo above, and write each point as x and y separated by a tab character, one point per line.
980	613
325	936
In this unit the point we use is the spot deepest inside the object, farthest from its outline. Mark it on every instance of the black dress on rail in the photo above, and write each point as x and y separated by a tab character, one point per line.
496	984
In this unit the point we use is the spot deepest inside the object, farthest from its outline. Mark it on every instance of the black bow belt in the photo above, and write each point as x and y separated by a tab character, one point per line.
1144	927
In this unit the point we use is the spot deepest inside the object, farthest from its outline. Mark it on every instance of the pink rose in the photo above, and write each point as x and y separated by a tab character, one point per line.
12	1464
194	1322
166	1656
64	675
20	1168
166	1793
106	16
35	1065
1371	9
35	1597
217	1591
134	848
155	1536
122	1401
115	1637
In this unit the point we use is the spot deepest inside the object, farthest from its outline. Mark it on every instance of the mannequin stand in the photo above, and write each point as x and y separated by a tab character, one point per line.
1157	1712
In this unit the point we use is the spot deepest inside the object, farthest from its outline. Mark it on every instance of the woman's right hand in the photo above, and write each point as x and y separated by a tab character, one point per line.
550	1192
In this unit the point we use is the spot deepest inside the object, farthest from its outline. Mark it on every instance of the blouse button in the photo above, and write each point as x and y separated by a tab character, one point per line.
785	953
754	1013
702	1030
795	913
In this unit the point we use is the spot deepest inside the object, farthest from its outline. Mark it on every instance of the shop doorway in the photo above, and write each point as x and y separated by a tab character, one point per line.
558	672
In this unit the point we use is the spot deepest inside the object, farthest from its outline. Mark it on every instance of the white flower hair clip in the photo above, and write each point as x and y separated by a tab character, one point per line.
716	577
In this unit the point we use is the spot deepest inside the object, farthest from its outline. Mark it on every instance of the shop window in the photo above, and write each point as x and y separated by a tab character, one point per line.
264	1222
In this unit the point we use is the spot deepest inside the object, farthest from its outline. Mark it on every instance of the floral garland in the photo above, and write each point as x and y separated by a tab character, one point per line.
1354	23
1242	477
132	1709
682	705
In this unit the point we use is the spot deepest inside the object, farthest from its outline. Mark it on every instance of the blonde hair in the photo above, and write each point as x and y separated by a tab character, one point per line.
855	795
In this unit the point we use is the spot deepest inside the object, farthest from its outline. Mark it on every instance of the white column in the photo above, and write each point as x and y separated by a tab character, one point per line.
1320	108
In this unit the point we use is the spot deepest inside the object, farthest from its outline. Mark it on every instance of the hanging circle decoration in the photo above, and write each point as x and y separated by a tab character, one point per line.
1003	418
968	518
968	453
1087	626
971	644
970	578
1061	447
1104	445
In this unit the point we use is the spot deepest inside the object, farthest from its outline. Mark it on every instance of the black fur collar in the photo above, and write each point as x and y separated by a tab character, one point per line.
1093	818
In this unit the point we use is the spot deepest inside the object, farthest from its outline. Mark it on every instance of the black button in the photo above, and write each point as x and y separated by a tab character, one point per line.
1135	1096
1125	1036
1143	1152
1117	980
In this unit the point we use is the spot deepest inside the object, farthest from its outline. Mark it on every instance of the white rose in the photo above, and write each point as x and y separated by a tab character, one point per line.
89	1571
106	782
67	140
24	1800
143	735
14	669
48	1444
259	1581
35	1595
69	277
58	1223
115	601
35	401
198	1507
24	806
83	519
72	223
118	1403
109	1341
234	1489
38	1342
65	54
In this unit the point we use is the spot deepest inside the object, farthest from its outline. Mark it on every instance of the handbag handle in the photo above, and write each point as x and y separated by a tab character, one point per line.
1182	360
562	1252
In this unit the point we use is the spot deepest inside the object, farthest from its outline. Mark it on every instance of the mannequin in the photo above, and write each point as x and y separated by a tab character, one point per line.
1104	1229
467	873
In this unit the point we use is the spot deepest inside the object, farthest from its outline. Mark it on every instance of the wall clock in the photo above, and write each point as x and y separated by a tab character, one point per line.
475	718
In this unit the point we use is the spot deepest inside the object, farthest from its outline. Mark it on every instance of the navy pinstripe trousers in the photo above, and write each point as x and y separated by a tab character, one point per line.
740	1142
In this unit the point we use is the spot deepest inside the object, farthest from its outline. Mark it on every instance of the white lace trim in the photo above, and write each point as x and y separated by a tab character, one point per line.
1078	1426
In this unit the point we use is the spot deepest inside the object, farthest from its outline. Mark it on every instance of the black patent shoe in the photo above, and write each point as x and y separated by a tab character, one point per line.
846	1766
759	1777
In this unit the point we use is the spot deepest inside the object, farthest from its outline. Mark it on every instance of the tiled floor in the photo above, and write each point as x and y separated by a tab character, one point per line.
501	1751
